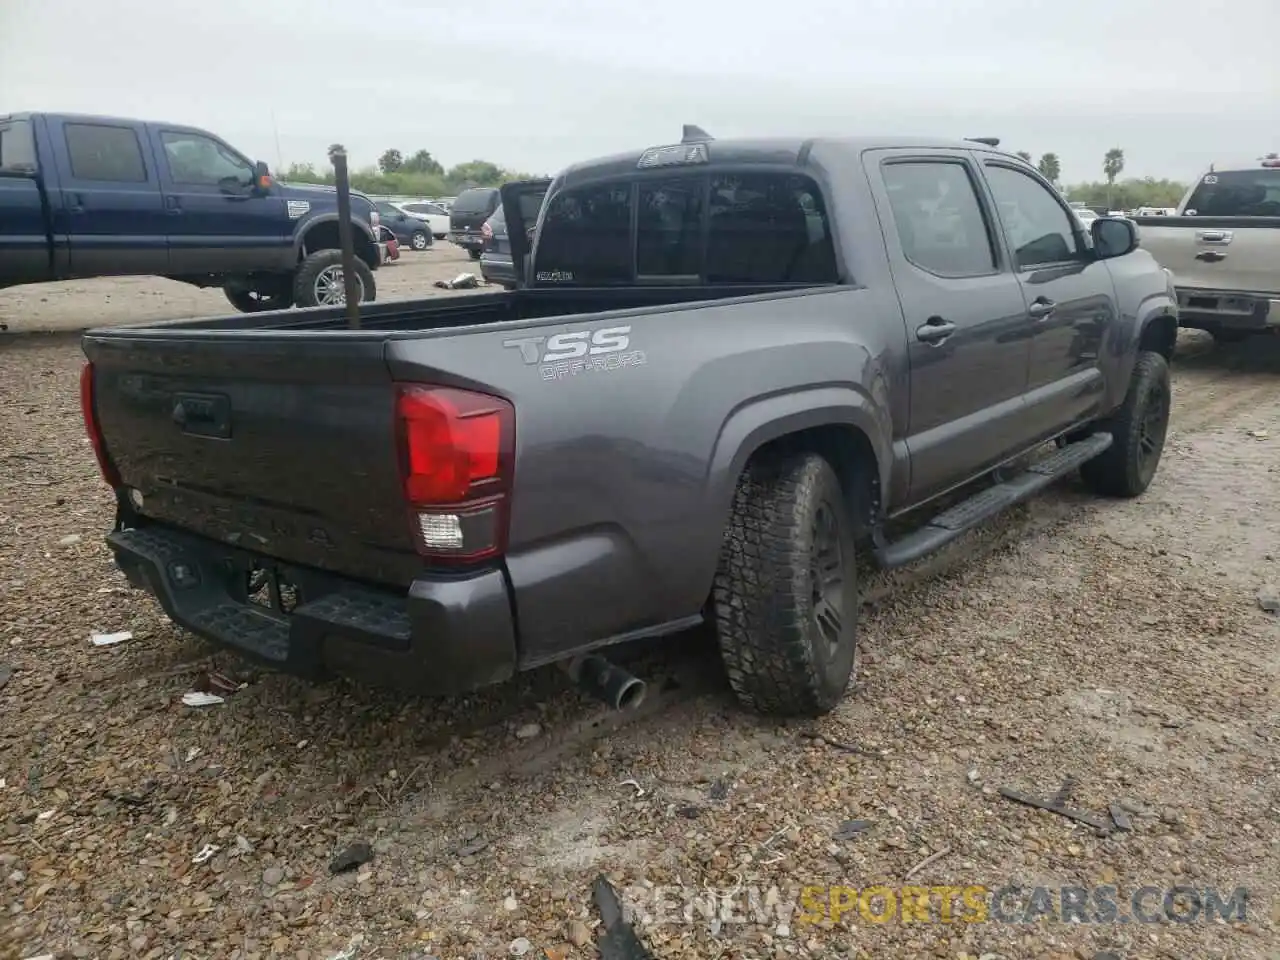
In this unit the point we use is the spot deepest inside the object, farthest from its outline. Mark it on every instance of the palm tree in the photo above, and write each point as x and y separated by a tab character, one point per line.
1112	166
1050	167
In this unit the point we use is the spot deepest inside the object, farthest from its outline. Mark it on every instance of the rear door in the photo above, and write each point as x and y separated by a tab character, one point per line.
110	195
218	222
967	324
521	204
468	214
1070	296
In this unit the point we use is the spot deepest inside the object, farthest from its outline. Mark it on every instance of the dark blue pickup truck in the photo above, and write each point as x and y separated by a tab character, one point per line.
85	196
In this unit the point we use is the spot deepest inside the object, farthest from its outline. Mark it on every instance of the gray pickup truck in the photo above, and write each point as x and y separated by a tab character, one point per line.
730	365
1223	249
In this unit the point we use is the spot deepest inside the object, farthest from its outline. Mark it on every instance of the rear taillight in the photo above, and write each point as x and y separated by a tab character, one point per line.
486	231
89	410
457	449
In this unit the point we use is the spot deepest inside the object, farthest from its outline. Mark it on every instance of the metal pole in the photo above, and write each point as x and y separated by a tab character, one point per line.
350	284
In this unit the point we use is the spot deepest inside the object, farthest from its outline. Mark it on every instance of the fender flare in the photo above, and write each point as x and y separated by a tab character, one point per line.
763	419
308	225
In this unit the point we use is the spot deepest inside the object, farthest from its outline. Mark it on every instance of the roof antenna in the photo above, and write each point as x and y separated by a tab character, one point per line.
695	134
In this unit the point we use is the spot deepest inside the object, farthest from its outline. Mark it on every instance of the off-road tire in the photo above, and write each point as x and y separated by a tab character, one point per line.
420	240
778	659
259	298
1138	429
309	271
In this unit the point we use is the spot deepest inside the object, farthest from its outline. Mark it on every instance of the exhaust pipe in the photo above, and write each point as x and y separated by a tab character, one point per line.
606	681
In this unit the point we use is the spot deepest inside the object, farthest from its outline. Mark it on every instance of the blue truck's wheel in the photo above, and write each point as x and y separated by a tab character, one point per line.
319	281
786	594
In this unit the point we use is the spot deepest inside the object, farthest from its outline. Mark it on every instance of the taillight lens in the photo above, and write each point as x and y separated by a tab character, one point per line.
486	231
457	451
89	411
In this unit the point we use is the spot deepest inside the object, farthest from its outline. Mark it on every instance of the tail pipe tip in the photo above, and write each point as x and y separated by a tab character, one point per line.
606	681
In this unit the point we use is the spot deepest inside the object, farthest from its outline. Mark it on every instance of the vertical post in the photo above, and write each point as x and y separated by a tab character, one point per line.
350	283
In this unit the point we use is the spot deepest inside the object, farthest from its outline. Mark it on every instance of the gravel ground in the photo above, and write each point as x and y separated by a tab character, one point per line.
110	301
1116	645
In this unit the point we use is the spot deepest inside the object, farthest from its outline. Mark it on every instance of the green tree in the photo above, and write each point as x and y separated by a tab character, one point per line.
476	173
1050	167
390	161
1112	167
335	149
423	162
1128	194
1025	155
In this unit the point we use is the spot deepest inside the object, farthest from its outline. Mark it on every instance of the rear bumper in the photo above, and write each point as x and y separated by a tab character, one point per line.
1227	310
444	635
468	241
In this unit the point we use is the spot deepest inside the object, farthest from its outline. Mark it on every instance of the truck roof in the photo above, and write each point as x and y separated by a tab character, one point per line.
91	118
765	150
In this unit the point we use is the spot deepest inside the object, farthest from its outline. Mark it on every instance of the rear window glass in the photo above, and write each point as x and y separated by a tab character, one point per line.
722	228
1237	193
474	201
17	149
105	153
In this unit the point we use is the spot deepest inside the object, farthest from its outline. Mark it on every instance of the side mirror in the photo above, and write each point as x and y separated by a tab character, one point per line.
1113	237
261	176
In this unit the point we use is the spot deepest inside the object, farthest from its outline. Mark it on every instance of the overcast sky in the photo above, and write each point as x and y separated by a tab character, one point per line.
537	85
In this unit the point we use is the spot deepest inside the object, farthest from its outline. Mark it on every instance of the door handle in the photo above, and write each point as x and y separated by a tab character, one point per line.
173	204
1210	256
1041	308
935	330
75	202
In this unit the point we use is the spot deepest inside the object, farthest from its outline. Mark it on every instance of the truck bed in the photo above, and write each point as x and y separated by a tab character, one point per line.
440	313
277	431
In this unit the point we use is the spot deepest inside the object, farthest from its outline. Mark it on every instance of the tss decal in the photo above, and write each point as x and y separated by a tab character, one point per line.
568	354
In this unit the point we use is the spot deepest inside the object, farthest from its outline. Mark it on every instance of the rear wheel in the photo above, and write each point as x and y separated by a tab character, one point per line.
1138	430
786	595
319	282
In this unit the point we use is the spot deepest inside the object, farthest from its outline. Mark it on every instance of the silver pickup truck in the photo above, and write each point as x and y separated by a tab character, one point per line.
1223	249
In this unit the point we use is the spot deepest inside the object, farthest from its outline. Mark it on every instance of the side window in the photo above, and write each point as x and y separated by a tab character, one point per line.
1037	225
940	222
768	228
586	236
202	161
105	153
17	148
669	228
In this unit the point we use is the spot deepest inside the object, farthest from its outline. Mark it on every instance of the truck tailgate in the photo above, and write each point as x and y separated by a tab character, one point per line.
282	446
1210	257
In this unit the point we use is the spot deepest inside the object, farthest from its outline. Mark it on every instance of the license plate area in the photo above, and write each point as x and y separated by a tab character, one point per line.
266	587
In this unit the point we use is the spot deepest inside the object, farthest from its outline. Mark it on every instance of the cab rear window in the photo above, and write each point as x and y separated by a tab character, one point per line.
713	228
1237	193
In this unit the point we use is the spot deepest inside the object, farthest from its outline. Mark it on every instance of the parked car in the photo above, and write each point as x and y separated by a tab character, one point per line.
467	217
436	215
1223	247
719	411
88	196
496	265
412	231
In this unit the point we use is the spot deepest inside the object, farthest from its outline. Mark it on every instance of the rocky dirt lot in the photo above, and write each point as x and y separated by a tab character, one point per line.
1118	646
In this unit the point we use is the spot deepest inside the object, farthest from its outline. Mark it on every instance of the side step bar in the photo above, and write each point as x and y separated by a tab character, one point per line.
984	505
